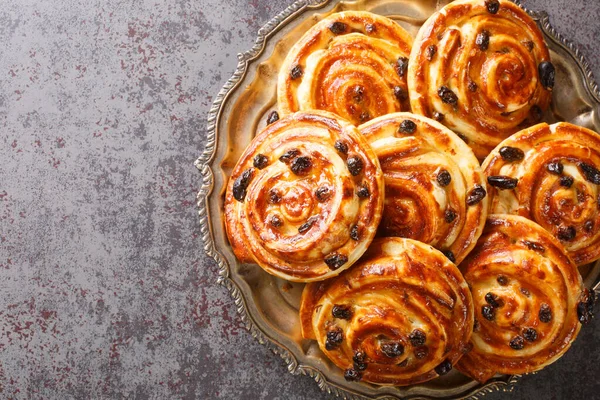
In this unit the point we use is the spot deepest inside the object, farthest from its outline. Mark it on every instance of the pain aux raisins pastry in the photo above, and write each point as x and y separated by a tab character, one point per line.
434	186
305	198
482	68
352	63
549	174
402	315
528	298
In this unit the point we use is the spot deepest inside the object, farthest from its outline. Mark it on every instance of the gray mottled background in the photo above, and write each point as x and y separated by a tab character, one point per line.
105	291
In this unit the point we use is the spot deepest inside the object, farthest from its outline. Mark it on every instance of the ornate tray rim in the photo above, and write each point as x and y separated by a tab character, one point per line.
204	161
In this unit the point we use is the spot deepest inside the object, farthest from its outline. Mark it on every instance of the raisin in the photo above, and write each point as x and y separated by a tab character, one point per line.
472	86
488	312
447	95
241	184
444	368
364	116
483	40
525	292
590	173
400	93
360	366
449	255
492	300
530	334
289	155
444	178
338	28
274	196
358	93
352	375
301	165
449	216
430	52
354	235
305	227
392	349
407	126
566	181
502	280
492	6
370	28
402	66
421	352
589	225
355	165
341	311
273	117
546	72
566	234
296	72
359	357
534	246
417	338
335	337
322	194
276	221
536	113
511	153
528	44
585	309
363	191
477	194
502	182
335	261
517	343
555	168
261	161
545	313
341	147
438	116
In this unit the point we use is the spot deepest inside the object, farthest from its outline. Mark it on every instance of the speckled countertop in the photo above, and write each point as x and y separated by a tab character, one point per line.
105	290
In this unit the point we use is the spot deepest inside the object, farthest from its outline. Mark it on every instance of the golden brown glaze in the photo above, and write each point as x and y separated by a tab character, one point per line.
407	314
494	77
564	202
347	65
415	152
304	215
529	289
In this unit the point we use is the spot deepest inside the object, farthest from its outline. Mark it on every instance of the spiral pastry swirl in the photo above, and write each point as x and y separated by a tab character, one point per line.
526	293
482	68
431	176
550	175
403	315
352	63
305	198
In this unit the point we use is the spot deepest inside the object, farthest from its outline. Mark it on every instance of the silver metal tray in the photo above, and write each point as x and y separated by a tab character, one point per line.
269	306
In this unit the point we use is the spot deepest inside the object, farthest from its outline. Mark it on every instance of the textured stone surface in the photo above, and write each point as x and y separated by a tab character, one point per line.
105	290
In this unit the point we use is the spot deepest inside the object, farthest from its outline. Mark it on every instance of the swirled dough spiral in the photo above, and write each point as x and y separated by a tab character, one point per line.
402	315
352	63
430	174
305	199
526	294
556	181
483	74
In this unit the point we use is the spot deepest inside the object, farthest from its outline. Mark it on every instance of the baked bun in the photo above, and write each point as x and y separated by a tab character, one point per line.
434	186
305	198
482	68
402	315
528	299
550	175
352	63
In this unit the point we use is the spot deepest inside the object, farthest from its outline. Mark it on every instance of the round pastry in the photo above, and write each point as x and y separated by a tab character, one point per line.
434	186
352	63
403	315
305	198
550	175
481	67
528	299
